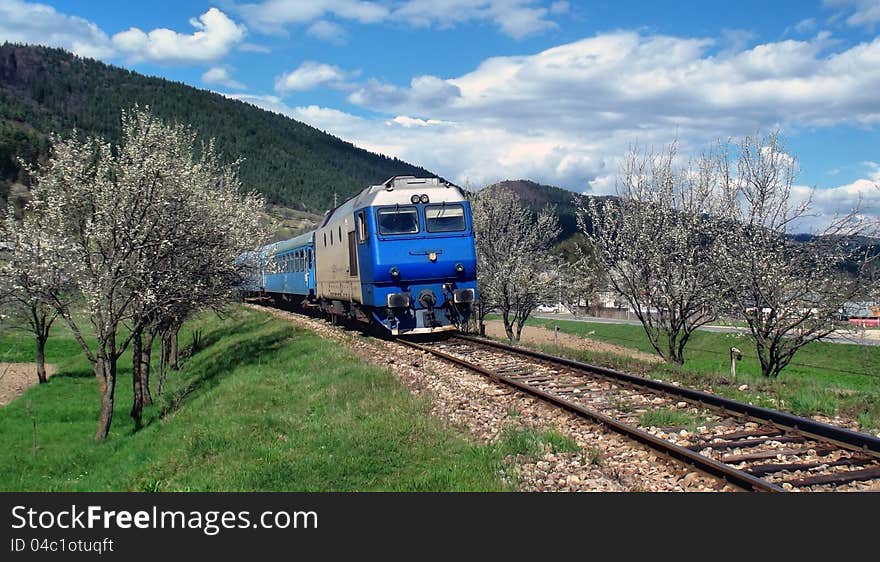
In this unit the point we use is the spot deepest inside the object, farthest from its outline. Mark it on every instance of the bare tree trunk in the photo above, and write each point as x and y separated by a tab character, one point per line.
137	407
508	325
41	359
174	350
146	360
164	358
41	323
105	372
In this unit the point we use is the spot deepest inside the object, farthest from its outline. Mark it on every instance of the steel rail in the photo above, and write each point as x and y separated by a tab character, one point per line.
705	464
848	439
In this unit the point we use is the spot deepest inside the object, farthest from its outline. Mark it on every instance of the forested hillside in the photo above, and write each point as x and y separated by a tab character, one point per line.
537	196
44	89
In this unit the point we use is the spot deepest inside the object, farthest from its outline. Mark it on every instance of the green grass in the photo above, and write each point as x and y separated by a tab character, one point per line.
264	406
664	417
530	442
825	378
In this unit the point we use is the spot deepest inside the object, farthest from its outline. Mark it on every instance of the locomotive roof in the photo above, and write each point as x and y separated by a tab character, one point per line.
397	191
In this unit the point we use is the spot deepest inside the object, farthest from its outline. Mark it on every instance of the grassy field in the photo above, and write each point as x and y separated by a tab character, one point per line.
825	378
263	406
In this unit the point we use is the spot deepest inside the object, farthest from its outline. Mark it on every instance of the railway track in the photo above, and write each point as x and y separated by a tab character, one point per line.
751	447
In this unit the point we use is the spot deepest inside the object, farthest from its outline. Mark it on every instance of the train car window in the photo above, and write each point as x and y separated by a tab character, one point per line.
398	220
325	239
362	227
296	261
444	218
331	237
310	259
340	234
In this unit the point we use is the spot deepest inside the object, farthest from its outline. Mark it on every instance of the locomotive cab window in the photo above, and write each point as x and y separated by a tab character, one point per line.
398	220
444	218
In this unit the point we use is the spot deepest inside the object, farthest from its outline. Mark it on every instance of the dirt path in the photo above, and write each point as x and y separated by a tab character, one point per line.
539	335
15	378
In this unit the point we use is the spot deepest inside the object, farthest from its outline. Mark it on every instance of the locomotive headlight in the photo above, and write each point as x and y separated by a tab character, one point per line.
394	272
414	199
424	198
459	268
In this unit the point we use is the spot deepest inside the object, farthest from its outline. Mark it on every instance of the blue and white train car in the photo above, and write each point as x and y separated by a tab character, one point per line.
289	267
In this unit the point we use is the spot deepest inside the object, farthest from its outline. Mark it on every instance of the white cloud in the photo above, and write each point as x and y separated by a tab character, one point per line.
560	7
425	94
861	12
624	80
254	48
862	195
407	121
805	26
516	18
216	34
270	16
26	22
220	75
311	75
328	31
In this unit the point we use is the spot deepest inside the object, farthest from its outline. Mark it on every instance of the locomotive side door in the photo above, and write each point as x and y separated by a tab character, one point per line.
352	255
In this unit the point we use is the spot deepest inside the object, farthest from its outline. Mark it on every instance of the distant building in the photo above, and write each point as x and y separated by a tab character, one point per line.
862	314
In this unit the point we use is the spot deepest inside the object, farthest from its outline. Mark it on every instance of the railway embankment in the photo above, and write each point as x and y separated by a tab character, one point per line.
587	455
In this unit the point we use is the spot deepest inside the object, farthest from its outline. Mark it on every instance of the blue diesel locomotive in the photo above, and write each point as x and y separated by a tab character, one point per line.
399	255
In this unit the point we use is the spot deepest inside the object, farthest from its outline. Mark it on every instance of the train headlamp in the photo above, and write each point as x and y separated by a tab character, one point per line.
459	268
394	272
463	296
424	198
414	199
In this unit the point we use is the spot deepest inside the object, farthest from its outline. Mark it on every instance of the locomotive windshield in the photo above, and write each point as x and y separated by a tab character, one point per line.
398	220
444	218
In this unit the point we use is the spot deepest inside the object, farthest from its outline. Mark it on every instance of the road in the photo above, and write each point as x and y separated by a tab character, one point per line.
871	337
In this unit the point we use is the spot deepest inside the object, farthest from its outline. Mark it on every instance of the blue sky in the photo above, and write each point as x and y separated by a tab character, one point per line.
550	90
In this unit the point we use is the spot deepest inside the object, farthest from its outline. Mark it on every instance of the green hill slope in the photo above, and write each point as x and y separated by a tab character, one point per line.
536	196
44	89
